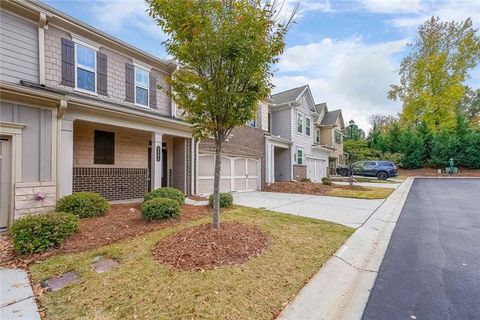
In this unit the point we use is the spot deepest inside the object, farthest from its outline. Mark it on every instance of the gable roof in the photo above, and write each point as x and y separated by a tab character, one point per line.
330	117
287	96
320	107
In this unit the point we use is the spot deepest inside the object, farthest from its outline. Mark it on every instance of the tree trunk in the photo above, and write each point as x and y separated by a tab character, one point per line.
216	185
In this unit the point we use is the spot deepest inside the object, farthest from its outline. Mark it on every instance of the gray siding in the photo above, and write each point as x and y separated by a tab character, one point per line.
282	123
282	164
18	49
36	139
178	169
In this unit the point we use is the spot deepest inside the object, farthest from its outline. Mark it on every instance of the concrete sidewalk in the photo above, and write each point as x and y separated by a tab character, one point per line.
340	290
346	211
17	300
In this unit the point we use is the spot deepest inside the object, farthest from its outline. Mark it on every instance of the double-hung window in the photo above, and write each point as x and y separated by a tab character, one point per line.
317	135
141	86
338	137
85	68
300	156
299	123
307	126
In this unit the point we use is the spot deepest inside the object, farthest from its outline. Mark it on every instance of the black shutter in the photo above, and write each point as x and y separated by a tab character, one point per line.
129	83
102	73
68	63
153	92
104	147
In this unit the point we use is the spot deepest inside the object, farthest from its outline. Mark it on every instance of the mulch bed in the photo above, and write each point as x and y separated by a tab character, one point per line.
307	188
205	247
198	198
432	172
120	222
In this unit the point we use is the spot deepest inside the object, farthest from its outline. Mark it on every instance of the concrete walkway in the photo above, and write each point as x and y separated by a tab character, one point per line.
340	290
17	300
346	211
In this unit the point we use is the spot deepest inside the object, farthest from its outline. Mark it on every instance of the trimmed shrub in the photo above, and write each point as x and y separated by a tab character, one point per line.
327	181
160	208
83	204
225	199
306	180
166	192
39	232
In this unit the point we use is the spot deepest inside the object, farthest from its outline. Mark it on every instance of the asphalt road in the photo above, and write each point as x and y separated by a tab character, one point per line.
431	269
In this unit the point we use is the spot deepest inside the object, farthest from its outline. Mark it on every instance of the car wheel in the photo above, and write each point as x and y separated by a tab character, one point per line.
345	172
382	175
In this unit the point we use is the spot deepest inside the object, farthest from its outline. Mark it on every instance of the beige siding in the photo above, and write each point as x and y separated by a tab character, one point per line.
115	72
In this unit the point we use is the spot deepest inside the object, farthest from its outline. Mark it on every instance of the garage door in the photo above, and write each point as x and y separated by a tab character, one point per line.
237	174
316	169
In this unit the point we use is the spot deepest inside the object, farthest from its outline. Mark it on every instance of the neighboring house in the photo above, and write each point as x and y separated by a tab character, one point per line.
306	139
82	111
243	158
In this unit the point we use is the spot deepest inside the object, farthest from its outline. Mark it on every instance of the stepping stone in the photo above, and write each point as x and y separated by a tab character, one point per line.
104	265
58	283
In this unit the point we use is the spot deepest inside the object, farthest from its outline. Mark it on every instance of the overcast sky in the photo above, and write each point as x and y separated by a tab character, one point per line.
348	51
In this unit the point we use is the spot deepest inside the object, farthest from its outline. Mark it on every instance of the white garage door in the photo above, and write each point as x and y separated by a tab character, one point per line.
316	169
237	174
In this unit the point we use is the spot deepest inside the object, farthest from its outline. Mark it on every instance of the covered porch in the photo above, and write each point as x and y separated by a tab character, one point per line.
121	160
278	159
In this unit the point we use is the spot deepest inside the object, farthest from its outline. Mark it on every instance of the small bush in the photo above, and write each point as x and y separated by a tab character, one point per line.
39	232
83	204
170	193
160	208
226	200
327	181
306	180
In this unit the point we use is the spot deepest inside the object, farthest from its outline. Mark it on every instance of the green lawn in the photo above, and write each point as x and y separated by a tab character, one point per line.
143	288
361	192
373	180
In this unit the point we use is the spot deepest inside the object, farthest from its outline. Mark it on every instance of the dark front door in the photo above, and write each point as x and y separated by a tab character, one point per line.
164	168
149	168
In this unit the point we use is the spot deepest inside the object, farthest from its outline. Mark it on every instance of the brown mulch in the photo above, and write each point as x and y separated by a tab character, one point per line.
432	172
205	247
198	198
307	188
122	221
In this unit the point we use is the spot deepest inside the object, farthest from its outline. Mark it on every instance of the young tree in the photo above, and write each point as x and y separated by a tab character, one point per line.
226	50
353	132
432	76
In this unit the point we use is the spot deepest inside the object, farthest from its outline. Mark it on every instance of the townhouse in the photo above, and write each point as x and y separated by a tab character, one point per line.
82	111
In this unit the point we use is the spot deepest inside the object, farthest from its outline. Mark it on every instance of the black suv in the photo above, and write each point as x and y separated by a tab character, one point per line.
380	169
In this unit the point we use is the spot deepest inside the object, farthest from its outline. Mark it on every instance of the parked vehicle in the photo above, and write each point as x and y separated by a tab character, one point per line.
379	168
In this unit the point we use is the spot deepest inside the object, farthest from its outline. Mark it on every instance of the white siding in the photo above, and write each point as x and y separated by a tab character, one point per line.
281	123
18	49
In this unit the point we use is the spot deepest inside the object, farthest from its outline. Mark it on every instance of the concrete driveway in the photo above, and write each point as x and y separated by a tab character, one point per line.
432	266
346	211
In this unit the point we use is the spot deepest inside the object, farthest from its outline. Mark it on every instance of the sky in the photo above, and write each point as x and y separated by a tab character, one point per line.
347	51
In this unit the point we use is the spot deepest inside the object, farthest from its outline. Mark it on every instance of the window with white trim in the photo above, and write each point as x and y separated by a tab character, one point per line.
141	86
85	68
299	123
317	135
338	137
299	156
307	126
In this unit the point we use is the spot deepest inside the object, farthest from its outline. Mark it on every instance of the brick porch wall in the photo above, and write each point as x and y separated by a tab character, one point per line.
299	172
112	183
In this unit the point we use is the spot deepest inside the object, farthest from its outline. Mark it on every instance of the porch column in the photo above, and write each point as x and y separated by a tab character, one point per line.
156	160
65	157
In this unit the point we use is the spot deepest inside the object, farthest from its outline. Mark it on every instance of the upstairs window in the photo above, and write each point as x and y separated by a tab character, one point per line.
141	86
104	147
85	68
317	135
338	137
307	126
299	123
252	123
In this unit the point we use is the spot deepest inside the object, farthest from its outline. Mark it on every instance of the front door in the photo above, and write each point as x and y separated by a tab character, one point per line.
5	186
164	167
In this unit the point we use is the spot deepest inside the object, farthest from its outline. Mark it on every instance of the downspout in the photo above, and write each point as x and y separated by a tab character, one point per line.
42	25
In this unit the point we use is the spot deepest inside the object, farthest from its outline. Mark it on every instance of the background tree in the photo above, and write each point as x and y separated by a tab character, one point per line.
432	76
470	104
226	50
353	132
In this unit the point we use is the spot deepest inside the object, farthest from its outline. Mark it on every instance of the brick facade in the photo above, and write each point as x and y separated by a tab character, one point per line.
245	142
299	172
112	183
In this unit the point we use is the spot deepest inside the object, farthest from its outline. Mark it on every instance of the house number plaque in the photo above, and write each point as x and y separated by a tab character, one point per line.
158	153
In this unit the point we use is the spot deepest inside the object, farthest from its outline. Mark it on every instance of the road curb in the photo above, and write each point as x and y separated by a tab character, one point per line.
340	290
